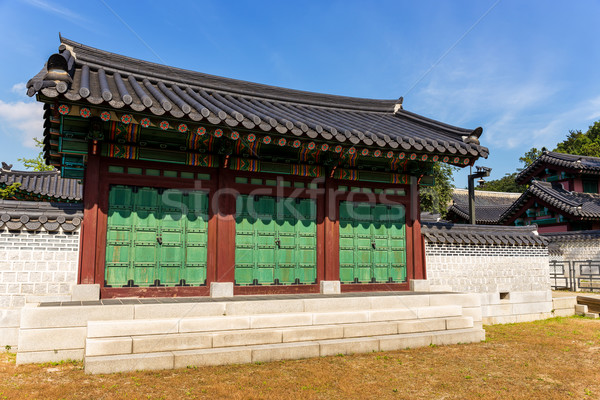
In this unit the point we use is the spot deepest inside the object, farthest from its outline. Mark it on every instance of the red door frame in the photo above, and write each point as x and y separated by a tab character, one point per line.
222	189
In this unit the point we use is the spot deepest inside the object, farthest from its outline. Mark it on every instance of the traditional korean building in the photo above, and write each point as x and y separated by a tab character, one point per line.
489	206
192	180
562	194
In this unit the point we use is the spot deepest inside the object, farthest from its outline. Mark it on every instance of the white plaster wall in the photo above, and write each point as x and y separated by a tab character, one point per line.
513	281
580	250
34	267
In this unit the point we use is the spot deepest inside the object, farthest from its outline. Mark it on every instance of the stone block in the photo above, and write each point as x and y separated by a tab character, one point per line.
422	325
128	363
132	327
440	288
532	308
181	341
9	337
370	329
46	299
207	357
89	292
564	312
106	347
391	315
10	317
497	310
591	315
50	317
419	285
287	351
348	346
402	301
473	312
311	333
531	297
459	299
51	339
458	336
337	304
331	287
327	318
221	289
210	324
439	311
504	319
581	308
264	307
48	356
246	338
178	310
459	323
564	302
280	320
408	341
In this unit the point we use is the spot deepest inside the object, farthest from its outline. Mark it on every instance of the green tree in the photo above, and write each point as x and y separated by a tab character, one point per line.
583	144
38	163
529	157
9	191
435	199
505	184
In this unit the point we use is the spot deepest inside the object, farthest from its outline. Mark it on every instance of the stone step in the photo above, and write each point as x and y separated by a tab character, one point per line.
54	333
117	328
72	316
273	352
139	344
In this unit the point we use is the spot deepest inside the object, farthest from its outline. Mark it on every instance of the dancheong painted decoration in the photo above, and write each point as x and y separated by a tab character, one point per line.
190	179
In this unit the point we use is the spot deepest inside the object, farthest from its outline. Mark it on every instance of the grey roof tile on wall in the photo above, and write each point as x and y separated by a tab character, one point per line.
571	162
105	79
570	236
440	232
574	204
34	215
46	183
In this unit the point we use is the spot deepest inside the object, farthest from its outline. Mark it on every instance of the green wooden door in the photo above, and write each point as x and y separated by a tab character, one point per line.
156	237
372	243
275	241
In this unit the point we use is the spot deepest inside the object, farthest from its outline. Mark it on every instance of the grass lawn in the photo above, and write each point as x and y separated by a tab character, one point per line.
557	358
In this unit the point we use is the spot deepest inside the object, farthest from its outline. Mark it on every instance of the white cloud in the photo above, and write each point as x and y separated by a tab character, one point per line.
23	119
19	88
516	111
61	11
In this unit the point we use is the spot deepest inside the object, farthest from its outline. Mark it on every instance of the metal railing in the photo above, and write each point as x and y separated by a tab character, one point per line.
575	275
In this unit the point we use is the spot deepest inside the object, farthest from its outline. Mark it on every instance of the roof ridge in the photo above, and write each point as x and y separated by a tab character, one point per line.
203	80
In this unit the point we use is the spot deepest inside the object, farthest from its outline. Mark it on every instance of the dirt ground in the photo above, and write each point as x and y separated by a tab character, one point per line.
551	359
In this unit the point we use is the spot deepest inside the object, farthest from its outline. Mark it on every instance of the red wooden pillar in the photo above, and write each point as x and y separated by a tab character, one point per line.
224	203
89	229
418	253
331	234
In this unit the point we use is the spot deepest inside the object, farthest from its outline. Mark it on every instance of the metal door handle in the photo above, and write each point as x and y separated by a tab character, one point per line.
278	243
159	239
373	244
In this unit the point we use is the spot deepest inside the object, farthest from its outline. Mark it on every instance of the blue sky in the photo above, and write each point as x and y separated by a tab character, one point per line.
527	72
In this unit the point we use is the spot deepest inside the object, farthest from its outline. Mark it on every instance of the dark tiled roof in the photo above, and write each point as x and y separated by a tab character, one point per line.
581	164
34	216
574	204
98	77
489	206
47	184
439	232
559	237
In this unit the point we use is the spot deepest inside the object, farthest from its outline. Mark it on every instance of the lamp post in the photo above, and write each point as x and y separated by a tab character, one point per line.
482	172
